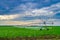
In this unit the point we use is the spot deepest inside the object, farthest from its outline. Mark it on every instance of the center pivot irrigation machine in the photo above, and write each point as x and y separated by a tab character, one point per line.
45	25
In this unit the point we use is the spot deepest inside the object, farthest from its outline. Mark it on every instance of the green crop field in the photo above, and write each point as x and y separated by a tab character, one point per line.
11	31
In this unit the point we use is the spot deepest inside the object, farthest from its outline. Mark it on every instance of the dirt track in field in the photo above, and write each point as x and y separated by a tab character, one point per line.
33	38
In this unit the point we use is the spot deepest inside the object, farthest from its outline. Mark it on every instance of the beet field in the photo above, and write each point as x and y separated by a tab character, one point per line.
29	33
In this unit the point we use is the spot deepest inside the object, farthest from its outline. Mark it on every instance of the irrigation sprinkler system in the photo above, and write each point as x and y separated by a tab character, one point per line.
45	26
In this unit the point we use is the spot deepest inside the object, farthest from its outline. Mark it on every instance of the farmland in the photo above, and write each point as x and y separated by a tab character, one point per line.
13	32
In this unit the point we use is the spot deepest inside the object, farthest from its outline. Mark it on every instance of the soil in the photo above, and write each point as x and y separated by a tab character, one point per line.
33	38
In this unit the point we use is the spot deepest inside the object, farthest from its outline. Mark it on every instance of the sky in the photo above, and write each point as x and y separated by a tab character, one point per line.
29	11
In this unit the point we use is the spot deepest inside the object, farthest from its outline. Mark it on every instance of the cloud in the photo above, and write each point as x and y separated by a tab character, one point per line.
25	7
29	10
37	22
49	11
8	17
42	12
27	23
54	7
